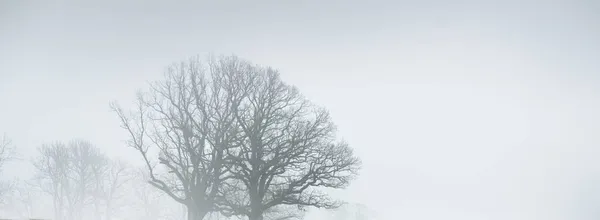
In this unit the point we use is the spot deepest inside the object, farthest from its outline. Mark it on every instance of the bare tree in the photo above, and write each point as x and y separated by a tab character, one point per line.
108	191
184	124
232	137
119	175
288	150
25	193
85	159
24	200
52	175
6	154
6	151
67	173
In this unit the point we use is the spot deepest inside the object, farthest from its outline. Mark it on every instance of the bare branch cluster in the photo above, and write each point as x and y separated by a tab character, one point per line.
229	136
78	177
6	154
6	150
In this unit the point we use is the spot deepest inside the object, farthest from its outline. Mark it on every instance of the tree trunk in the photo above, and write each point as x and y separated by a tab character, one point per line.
255	216
194	213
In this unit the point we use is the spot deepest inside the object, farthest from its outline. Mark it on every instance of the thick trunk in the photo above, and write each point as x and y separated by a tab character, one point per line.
255	216
256	208
195	214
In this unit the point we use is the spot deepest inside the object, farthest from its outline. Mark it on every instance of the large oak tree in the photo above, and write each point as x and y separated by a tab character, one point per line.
231	137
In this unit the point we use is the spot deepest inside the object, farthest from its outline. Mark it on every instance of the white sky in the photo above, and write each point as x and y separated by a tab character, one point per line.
459	110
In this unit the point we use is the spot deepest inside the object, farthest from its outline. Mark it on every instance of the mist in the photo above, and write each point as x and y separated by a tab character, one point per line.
457	110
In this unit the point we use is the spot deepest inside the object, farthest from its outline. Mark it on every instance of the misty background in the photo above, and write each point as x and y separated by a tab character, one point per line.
458	109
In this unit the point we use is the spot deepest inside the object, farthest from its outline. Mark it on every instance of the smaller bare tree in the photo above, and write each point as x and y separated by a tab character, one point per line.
6	151
85	160
52	173
6	154
108	190
120	173
24	200
69	174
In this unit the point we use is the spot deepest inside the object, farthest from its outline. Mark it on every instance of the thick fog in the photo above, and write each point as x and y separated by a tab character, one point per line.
465	110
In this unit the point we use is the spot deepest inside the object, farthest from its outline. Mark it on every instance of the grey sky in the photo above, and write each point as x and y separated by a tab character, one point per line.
459	110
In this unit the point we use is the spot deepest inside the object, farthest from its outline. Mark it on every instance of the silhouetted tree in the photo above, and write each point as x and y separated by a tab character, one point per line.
109	182
288	148
6	151
24	200
52	174
70	174
6	154
232	137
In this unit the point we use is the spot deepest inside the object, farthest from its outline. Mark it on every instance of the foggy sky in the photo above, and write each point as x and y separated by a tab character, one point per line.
459	110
